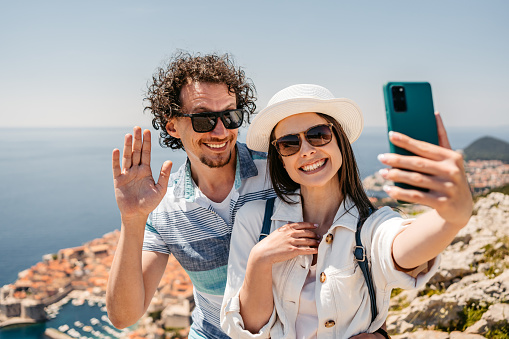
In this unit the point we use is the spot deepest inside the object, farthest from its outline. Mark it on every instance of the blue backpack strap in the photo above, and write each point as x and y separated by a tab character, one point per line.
360	256
269	206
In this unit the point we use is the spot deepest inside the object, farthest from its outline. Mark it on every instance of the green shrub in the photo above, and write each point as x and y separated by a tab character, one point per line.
156	315
395	292
499	331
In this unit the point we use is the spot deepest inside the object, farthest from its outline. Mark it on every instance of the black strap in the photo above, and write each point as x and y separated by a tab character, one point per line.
383	332
269	206
360	256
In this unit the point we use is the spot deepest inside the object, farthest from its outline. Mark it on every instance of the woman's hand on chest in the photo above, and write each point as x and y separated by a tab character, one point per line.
286	243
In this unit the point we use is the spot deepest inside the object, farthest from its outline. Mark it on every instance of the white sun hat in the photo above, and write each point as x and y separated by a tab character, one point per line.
303	98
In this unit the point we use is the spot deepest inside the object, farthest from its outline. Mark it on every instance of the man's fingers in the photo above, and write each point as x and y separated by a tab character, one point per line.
128	152
164	174
115	162
443	140
146	147
136	145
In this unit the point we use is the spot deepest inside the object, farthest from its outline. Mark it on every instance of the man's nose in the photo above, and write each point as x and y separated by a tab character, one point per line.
219	130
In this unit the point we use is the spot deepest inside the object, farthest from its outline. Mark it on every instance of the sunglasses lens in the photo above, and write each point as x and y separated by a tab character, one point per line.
203	124
288	145
316	136
233	119
319	135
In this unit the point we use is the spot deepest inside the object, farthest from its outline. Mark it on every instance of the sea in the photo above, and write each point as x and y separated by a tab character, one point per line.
56	191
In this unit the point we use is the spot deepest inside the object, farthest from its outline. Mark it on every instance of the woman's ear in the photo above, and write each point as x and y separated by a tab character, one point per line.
172	129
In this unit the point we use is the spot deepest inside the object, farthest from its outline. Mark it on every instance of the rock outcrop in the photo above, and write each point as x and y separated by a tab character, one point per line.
469	295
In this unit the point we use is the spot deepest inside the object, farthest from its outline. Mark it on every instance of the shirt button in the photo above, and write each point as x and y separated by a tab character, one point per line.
322	277
329	238
330	323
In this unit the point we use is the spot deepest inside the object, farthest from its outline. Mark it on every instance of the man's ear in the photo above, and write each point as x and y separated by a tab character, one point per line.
171	128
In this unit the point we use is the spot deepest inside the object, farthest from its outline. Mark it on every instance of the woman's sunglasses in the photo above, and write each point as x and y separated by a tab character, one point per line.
207	121
319	135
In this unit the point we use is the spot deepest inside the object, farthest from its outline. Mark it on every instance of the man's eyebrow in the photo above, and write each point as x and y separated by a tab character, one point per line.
200	108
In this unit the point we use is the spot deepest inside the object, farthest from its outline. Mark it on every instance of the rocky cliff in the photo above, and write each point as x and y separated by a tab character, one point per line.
469	296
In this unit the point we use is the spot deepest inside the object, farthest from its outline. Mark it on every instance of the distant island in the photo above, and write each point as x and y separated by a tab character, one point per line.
487	148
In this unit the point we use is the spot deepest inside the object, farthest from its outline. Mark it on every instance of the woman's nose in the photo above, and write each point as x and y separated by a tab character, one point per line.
306	148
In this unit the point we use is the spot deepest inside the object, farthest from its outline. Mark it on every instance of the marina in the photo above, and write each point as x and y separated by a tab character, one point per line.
85	321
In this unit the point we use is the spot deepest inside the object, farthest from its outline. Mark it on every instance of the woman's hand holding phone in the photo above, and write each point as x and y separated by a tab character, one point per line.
436	168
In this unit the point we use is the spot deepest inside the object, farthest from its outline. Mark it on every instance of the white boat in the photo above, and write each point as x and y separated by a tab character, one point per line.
78	324
63	328
94	321
106	319
87	328
78	302
112	331
73	333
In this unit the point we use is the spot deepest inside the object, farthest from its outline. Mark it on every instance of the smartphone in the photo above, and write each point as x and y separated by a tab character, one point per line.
409	109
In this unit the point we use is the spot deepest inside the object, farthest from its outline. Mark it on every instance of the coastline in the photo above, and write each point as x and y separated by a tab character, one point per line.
17	322
74	279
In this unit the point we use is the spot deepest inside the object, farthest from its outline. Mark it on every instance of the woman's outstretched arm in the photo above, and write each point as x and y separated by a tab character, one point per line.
441	171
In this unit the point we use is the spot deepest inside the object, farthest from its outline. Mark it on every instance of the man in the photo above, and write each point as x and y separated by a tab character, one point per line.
198	102
193	219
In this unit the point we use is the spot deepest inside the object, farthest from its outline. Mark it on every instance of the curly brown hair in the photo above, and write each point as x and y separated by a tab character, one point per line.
163	95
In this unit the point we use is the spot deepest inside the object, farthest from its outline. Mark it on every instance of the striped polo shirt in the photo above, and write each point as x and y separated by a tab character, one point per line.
199	238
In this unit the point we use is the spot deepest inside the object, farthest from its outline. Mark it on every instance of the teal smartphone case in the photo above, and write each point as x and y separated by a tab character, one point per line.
417	120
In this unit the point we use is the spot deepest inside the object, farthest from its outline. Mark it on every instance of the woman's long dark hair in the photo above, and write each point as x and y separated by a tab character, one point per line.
349	178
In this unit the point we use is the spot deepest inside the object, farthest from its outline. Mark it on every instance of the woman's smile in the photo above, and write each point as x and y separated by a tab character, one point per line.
314	166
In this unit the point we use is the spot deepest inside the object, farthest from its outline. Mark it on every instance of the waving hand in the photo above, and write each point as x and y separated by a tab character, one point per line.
136	192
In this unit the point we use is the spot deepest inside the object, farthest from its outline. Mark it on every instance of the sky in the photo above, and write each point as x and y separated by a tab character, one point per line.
88	63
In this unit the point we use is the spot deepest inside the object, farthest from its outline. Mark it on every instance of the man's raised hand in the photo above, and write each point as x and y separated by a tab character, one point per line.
136	192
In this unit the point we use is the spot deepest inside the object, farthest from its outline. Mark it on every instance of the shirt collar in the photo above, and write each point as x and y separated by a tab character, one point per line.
346	216
245	168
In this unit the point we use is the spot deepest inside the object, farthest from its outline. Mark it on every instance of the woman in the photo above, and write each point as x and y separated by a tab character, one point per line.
302	281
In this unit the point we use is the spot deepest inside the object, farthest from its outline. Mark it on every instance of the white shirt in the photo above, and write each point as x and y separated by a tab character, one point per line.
306	323
222	208
342	297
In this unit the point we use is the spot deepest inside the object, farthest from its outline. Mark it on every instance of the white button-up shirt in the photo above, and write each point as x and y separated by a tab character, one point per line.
342	297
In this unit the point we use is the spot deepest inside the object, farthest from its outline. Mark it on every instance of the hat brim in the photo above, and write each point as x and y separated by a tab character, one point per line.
345	111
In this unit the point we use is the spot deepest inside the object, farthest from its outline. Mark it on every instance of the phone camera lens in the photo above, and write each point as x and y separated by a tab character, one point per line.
399	98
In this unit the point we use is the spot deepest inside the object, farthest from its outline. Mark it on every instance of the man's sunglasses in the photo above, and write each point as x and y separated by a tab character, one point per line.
319	135
207	121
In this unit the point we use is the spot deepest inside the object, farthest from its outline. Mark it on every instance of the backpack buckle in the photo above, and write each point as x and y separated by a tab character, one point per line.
359	253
